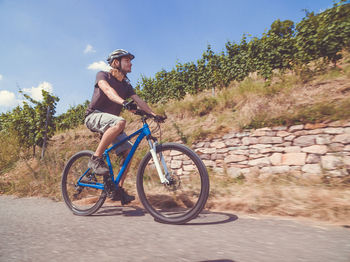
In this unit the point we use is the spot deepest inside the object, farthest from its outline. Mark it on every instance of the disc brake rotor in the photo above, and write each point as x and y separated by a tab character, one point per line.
174	182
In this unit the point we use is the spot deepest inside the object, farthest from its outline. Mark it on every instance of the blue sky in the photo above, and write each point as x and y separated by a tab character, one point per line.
60	45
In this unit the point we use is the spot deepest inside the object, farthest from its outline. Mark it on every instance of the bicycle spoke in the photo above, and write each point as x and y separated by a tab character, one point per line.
183	197
82	200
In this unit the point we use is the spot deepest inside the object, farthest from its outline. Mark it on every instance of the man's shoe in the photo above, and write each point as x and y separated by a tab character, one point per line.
98	165
120	194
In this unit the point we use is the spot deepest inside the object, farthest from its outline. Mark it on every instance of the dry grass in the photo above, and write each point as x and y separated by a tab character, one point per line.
33	178
9	151
321	200
327	201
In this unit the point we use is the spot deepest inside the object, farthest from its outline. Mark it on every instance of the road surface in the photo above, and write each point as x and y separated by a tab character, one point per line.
38	229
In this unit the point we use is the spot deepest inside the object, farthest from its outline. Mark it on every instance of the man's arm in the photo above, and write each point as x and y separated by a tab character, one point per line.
113	96
110	92
142	104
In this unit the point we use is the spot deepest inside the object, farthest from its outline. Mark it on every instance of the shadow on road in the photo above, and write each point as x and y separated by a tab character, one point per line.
219	260
129	211
204	218
212	218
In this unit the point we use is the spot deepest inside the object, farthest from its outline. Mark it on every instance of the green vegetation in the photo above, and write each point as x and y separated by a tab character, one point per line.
317	39
31	122
74	117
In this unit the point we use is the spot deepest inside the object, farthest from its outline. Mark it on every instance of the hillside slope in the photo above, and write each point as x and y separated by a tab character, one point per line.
250	104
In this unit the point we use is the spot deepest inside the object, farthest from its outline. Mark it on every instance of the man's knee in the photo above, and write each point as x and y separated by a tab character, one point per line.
119	126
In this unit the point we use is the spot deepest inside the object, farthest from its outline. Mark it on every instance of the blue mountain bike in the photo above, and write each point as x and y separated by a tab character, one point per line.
172	182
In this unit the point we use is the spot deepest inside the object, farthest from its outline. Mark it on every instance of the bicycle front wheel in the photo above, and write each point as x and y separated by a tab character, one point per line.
82	200
185	196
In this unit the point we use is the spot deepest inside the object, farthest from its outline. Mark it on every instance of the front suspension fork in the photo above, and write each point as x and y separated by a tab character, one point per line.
164	178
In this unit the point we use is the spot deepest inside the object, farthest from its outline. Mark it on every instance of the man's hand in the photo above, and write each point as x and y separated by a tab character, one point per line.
131	106
159	119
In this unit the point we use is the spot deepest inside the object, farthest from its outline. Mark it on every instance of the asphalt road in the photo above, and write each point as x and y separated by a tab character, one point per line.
37	229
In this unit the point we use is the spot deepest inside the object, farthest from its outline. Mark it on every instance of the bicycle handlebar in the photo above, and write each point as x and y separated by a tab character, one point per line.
156	118
131	106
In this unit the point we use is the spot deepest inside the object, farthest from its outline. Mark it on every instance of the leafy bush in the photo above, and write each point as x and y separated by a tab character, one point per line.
74	117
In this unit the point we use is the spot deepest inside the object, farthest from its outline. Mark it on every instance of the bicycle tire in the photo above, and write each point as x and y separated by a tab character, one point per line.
176	203
82	201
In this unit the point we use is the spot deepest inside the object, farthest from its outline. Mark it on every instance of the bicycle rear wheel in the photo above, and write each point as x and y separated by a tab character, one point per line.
82	200
185	197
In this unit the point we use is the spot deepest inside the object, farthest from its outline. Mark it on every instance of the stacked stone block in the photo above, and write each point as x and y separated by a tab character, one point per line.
301	149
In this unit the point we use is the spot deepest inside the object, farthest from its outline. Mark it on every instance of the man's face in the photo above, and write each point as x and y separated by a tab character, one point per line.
125	64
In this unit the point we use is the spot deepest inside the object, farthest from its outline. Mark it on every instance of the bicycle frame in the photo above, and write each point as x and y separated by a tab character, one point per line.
142	132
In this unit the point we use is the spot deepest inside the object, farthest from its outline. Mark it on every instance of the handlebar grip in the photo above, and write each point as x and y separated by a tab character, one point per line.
159	119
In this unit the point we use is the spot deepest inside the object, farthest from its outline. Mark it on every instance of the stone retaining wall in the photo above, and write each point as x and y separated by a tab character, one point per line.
302	149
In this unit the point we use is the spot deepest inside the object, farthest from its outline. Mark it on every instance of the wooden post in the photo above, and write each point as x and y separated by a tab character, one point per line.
45	135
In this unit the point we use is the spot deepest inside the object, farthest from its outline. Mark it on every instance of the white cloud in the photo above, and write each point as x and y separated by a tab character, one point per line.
99	66
8	99
35	92
1	77
89	49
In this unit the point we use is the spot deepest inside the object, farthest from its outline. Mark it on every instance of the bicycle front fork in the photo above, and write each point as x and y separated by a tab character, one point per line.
164	178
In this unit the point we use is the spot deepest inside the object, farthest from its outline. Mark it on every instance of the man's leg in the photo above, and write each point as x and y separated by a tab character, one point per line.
111	126
108	137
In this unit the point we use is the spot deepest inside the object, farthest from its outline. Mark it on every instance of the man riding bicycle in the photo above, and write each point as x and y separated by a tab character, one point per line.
111	91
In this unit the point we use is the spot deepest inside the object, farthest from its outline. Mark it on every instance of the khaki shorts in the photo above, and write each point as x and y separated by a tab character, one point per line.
99	122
